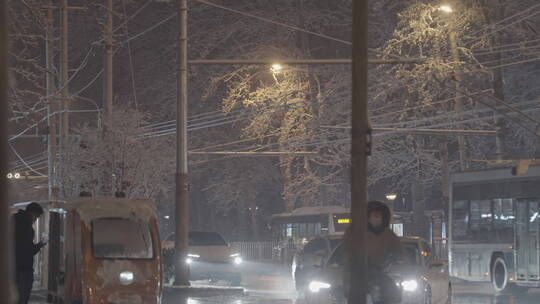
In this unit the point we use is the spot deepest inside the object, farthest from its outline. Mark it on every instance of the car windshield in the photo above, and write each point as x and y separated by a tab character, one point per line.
334	243
117	238
206	239
411	253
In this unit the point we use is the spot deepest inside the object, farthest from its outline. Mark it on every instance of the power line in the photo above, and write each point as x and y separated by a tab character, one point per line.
508	25
274	22
527	10
23	161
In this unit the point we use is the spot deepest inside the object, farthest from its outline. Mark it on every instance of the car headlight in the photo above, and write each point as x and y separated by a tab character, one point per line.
316	286
409	285
237	259
190	257
126	277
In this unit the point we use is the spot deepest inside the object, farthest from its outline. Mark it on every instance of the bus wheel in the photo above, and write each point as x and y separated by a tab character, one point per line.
499	275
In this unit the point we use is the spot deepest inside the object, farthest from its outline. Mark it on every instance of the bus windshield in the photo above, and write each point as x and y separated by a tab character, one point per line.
341	221
118	238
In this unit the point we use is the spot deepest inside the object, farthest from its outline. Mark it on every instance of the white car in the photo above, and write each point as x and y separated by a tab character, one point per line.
211	258
423	279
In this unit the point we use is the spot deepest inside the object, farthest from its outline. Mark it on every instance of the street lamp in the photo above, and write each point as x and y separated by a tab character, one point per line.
446	8
276	68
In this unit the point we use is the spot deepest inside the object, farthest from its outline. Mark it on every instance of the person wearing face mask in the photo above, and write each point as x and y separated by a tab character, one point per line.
383	249
25	249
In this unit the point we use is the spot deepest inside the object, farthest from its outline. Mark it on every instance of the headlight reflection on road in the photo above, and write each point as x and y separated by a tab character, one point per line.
198	301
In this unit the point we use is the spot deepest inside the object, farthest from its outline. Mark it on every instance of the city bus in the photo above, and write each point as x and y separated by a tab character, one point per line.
494	230
305	223
291	231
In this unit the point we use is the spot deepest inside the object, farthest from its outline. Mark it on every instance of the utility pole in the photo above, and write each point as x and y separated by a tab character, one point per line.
51	103
181	276
6	270
64	79
44	260
109	64
458	105
360	150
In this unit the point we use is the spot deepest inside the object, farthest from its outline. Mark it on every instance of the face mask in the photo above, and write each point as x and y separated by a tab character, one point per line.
375	222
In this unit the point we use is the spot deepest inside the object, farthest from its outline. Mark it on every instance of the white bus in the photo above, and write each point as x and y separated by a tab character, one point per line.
494	231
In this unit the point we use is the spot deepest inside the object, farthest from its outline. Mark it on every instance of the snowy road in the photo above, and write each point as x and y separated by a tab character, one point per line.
266	284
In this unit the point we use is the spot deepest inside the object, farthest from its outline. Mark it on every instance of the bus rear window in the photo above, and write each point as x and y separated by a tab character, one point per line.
341	222
116	238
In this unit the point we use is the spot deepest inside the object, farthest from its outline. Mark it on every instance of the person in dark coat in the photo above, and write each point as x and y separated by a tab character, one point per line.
383	249
25	249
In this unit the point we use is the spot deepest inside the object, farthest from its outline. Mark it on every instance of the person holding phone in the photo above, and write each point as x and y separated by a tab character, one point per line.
25	249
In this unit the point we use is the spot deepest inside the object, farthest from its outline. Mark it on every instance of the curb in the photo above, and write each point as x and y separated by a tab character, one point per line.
201	291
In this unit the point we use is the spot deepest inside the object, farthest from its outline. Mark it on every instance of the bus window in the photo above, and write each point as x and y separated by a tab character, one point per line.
481	216
117	238
460	220
503	222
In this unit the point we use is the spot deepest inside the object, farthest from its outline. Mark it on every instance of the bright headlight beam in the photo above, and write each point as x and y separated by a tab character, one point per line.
238	260
409	285
316	286
126	277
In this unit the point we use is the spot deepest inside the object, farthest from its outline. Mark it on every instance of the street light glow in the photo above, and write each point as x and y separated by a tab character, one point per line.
391	196
446	9
276	68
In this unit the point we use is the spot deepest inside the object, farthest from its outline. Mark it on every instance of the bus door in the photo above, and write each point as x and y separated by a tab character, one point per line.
526	240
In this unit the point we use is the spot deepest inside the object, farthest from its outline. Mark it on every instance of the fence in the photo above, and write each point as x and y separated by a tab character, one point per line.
270	251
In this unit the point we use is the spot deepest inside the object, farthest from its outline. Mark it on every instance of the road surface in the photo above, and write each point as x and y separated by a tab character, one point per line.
266	284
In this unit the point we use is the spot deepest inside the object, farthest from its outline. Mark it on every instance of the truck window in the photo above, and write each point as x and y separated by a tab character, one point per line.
206	239
117	238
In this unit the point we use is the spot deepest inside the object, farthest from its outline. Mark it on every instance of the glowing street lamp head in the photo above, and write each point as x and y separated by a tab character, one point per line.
276	68
446	9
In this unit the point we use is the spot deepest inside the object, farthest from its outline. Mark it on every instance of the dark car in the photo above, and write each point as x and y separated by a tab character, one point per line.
314	253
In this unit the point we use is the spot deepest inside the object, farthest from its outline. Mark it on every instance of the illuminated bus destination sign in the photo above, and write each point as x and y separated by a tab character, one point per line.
344	221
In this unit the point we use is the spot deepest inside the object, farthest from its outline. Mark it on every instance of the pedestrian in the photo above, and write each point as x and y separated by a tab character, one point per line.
25	249
383	249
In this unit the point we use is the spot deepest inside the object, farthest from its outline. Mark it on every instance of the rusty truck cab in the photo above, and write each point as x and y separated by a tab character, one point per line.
104	250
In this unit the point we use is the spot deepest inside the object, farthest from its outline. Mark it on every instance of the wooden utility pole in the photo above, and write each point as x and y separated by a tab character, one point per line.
109	64
458	105
6	277
51	103
360	149
181	276
64	79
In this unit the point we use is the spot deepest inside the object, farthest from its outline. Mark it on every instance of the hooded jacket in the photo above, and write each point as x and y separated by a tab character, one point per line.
382	246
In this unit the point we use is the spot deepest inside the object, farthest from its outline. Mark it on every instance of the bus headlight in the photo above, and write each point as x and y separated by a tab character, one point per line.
316	286
126	277
409	285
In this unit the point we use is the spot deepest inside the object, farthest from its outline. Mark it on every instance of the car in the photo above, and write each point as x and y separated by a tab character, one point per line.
314	253
210	257
422	278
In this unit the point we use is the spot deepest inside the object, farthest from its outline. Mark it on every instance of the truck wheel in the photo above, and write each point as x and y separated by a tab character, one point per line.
499	275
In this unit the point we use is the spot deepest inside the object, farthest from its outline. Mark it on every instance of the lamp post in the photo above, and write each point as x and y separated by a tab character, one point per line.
458	104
